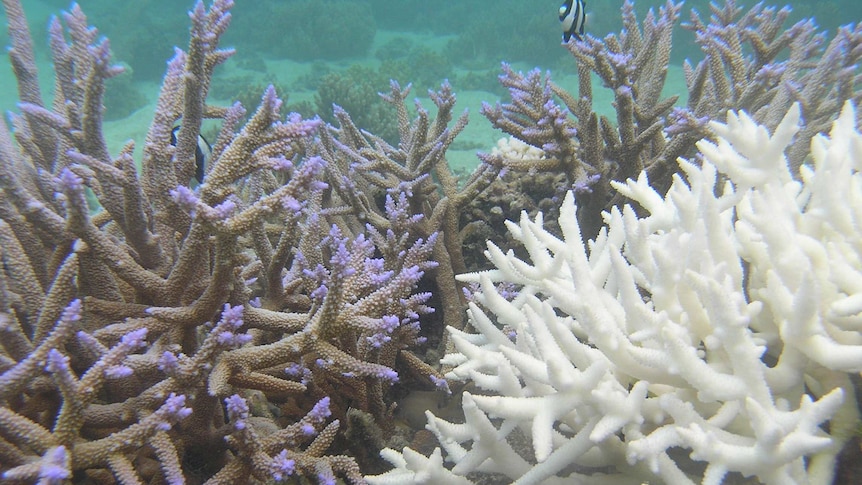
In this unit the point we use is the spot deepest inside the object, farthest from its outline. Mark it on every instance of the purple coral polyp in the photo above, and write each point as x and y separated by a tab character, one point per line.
237	411
378	339
118	372
168	362
232	340
69	181
56	362
185	198
135	339
172	411
53	470
389	323
320	411
223	210
72	312
440	383
388	375
231	316
282	467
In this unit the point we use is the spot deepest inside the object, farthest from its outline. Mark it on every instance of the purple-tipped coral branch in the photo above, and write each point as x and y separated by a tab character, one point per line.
295	450
365	168
107	353
751	62
588	149
363	314
147	326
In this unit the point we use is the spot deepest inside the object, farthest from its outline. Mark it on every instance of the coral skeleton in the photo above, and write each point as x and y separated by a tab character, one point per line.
278	313
715	334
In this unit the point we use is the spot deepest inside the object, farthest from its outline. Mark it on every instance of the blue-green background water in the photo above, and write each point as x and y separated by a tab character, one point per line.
321	52
345	51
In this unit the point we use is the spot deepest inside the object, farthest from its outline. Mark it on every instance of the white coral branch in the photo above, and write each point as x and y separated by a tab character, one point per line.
724	322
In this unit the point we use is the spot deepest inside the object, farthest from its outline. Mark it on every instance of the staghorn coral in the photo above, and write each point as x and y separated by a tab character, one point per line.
714	337
365	169
591	150
751	62
362	314
506	197
233	331
110	369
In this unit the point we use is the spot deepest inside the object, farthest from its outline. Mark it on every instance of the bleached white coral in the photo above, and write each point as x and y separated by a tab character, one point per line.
720	328
414	467
511	148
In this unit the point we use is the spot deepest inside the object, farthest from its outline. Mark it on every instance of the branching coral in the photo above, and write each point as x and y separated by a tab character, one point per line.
109	366
366	169
157	332
363	314
719	328
751	62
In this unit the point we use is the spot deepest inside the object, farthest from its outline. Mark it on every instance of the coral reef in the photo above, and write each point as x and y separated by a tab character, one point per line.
110	367
512	193
284	320
364	168
424	67
719	329
750	63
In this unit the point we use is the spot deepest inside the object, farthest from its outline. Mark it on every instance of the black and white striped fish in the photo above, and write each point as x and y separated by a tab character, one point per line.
573	17
203	152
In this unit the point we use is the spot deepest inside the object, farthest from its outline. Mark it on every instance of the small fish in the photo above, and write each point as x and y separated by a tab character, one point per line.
203	152
573	17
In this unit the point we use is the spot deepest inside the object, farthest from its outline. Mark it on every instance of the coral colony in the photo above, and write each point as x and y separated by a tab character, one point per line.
693	315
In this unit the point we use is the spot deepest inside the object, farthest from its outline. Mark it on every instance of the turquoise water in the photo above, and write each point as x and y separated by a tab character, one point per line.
308	48
317	53
474	34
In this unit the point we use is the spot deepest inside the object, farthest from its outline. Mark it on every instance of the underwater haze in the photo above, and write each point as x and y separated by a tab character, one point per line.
317	53
275	241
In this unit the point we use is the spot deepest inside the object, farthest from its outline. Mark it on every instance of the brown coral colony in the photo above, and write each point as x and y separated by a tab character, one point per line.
248	329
